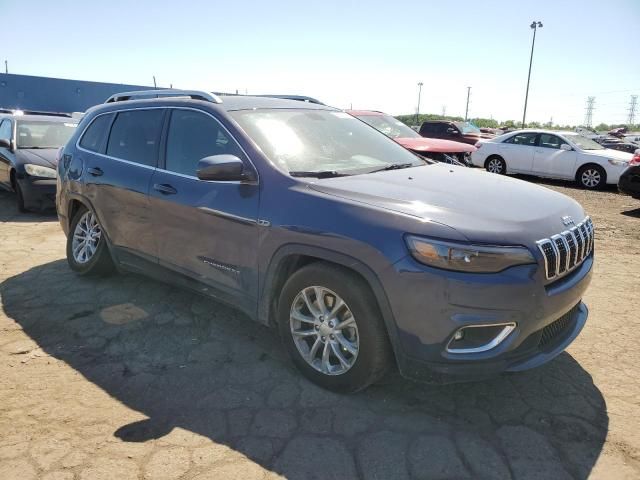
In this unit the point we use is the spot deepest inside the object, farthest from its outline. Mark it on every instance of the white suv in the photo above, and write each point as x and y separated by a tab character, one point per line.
564	155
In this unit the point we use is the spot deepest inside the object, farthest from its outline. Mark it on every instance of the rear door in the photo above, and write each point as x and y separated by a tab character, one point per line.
550	160
518	150
117	178
206	230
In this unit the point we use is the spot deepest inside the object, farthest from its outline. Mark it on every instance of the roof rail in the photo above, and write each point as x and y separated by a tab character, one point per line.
299	98
144	94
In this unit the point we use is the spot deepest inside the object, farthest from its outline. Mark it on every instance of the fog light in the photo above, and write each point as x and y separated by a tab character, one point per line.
479	338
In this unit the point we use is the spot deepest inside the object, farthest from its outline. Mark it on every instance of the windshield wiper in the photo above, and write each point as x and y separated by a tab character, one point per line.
317	174
394	166
36	148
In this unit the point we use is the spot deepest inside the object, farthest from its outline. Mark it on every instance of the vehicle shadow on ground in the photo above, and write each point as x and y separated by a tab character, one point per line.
635	213
189	362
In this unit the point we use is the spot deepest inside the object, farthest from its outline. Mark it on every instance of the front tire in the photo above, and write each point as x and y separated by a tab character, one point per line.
591	177
87	252
20	199
495	164
332	329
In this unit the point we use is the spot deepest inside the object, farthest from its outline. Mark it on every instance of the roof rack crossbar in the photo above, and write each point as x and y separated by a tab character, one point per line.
145	94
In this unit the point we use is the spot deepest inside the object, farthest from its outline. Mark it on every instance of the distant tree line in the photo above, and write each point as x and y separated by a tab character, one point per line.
491	123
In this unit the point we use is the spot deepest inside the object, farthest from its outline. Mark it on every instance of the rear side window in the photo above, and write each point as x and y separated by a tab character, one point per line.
193	136
523	139
428	128
135	136
94	136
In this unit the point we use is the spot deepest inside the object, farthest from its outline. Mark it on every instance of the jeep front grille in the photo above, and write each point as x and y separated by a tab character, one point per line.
567	250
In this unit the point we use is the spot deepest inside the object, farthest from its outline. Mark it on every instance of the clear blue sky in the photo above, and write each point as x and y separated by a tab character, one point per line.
368	54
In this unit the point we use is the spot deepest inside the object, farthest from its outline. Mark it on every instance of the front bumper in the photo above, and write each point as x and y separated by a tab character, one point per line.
38	193
629	182
430	306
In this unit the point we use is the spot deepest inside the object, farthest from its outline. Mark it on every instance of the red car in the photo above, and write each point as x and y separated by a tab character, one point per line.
439	150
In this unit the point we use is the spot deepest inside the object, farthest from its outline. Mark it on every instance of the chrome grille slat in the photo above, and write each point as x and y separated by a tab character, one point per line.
567	250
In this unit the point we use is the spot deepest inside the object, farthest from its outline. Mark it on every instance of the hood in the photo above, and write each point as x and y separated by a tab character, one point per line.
45	157
479	135
424	144
611	153
483	207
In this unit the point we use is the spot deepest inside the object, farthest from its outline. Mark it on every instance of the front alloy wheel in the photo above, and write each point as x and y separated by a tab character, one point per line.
324	330
591	178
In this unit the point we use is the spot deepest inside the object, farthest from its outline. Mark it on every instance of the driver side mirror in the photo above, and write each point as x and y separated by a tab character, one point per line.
566	147
223	168
4	143
452	131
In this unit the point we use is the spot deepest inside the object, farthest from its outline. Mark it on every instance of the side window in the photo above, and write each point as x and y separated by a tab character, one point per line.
193	136
428	128
5	129
94	136
135	136
523	139
550	141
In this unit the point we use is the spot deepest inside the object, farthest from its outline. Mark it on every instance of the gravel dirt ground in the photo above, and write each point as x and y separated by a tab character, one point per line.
126	378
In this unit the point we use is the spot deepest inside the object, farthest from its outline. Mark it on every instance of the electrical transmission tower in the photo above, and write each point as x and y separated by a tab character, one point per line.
590	107
632	110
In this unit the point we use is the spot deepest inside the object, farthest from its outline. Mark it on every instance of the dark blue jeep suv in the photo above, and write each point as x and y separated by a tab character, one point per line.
308	219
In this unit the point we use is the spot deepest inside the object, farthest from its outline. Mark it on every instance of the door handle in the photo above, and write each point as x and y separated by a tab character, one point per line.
165	189
95	171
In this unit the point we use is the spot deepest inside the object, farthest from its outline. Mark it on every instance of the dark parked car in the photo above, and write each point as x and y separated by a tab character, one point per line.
619	145
305	218
629	182
28	147
456	131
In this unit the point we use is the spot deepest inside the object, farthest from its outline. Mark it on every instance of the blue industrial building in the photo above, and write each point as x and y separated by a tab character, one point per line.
44	94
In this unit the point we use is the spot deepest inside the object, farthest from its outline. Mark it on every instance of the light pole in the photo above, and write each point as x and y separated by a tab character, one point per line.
534	25
418	109
466	112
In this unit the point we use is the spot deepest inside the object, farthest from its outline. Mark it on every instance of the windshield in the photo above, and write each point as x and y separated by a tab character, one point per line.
466	127
583	143
388	125
300	140
33	134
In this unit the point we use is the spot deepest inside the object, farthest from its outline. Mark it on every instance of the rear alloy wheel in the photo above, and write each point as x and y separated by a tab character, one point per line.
496	165
87	252
591	177
331	326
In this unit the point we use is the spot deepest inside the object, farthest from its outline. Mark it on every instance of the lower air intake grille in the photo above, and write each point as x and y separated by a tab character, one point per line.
557	328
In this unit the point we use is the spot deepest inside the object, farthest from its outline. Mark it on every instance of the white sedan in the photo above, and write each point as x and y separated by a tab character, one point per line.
564	155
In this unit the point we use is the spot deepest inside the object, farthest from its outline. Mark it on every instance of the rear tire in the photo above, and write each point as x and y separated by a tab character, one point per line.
87	251
315	302
495	164
591	177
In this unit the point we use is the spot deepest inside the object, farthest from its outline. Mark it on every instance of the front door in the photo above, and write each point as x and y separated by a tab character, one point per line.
551	160
206	230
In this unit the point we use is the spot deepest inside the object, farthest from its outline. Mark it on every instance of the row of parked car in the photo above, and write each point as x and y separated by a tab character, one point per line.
362	254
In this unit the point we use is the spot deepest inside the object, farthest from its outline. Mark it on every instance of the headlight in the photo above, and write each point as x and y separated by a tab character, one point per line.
40	171
467	258
618	163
